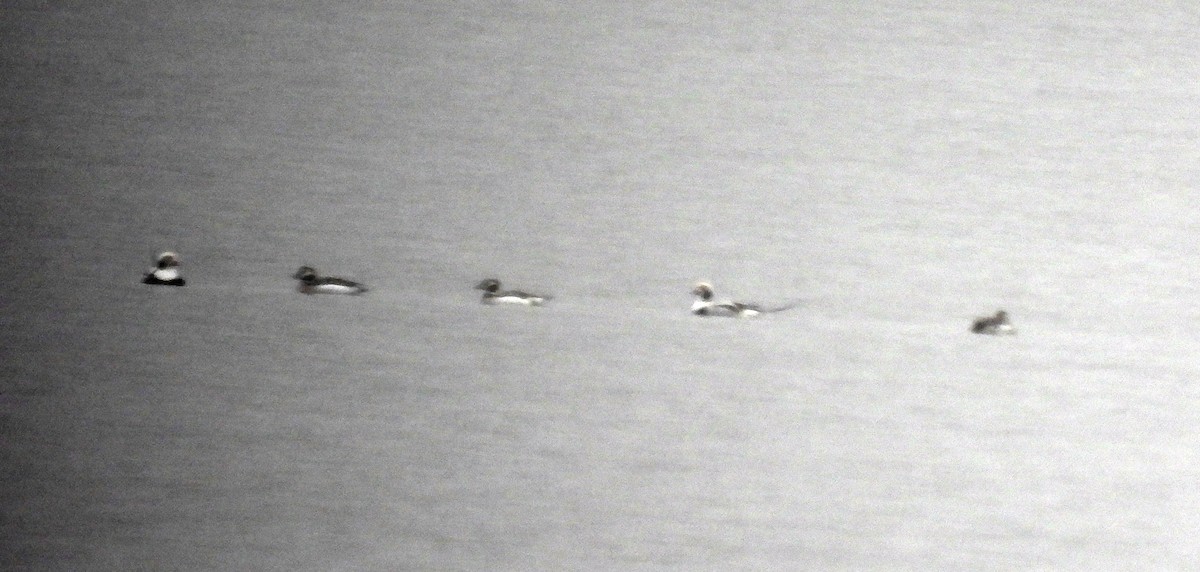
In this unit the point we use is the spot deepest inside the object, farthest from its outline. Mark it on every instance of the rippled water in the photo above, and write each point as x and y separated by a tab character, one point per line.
900	167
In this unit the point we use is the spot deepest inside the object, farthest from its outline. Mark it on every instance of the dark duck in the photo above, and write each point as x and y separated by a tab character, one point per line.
997	325
313	283
492	294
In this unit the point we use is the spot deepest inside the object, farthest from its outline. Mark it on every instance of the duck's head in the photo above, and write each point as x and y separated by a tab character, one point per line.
167	259
489	285
703	290
305	273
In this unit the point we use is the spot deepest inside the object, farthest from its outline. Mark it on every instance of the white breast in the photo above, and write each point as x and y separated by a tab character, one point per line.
334	289
166	274
714	309
517	300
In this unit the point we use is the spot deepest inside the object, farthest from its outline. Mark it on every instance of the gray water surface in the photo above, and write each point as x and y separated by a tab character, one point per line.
900	167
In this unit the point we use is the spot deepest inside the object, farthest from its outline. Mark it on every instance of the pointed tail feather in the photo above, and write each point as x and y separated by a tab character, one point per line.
783	307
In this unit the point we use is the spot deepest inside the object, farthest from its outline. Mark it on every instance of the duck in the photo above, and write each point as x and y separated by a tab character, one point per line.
313	283
492	294
707	305
997	325
165	271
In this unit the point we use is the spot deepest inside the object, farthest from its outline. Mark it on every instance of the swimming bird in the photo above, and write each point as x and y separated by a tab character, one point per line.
313	283
492	294
707	305
997	325
165	272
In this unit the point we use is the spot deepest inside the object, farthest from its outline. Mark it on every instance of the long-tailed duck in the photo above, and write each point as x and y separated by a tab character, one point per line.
313	283
165	272
707	305
997	325
492	294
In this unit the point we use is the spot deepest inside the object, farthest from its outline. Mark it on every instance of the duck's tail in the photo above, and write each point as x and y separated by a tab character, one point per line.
783	307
